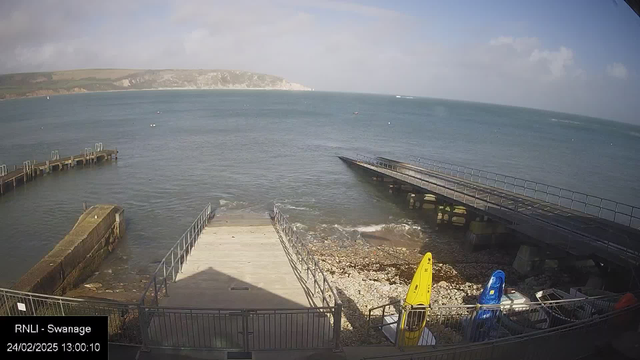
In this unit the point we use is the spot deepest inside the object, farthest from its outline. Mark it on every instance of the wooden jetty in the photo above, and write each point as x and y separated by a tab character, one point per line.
31	169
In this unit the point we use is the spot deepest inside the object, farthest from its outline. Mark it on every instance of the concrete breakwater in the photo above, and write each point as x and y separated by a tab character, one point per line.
78	254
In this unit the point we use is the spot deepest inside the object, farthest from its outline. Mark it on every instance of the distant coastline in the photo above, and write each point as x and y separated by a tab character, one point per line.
24	85
136	90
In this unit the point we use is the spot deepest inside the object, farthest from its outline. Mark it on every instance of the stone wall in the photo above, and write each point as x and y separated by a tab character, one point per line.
78	254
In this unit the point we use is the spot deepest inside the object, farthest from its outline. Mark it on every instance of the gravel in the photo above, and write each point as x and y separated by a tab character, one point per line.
367	276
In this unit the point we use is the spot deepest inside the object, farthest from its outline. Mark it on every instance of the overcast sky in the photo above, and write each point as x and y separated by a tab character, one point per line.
580	56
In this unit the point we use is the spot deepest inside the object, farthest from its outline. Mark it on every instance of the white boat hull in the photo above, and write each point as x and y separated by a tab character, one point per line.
389	329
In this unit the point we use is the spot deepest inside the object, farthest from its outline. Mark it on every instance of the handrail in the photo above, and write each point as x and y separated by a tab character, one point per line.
459	349
64	299
519	184
473	195
320	280
305	257
177	255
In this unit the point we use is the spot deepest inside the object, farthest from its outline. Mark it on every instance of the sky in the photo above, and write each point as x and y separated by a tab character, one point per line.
576	56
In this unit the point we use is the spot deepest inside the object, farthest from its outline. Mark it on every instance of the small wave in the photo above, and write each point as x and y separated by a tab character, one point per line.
633	133
404	234
285	206
369	228
299	226
230	204
401	227
566	121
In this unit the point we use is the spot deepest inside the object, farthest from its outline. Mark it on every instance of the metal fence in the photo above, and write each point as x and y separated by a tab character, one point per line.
589	204
124	325
493	200
459	324
172	263
150	325
316	281
565	341
239	329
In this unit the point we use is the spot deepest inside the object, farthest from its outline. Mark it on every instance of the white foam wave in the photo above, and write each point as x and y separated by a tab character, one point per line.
566	121
401	227
229	203
299	226
286	206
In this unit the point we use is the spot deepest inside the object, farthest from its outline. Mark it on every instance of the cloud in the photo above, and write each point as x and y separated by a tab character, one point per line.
327	45
521	44
557	61
617	70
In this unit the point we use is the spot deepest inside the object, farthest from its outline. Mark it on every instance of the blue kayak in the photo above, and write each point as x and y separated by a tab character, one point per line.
484	324
492	292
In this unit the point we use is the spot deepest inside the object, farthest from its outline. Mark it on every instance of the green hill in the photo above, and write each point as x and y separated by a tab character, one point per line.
86	80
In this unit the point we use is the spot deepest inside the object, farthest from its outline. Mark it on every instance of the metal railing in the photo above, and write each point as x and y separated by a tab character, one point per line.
239	329
124	325
459	324
316	280
203	328
172	263
589	204
188	328
492	200
569	340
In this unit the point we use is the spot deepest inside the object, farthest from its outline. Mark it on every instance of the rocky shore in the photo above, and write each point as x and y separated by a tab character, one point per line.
366	276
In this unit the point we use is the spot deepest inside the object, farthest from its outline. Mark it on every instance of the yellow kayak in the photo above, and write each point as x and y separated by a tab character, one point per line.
419	294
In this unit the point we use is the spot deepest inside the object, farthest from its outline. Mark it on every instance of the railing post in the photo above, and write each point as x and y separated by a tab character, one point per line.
144	327
245	330
399	329
155	289
173	268
337	325
179	262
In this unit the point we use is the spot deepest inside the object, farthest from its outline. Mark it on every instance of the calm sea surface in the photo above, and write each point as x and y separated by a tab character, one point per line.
245	150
